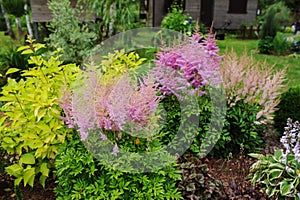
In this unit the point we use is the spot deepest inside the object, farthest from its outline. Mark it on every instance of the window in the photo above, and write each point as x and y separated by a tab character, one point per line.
237	6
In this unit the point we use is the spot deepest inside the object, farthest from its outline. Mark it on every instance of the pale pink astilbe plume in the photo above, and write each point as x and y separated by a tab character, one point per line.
143	102
98	104
101	100
253	83
191	64
118	98
83	103
65	102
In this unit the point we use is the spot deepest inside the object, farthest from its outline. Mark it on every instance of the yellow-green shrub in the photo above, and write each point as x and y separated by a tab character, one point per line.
30	125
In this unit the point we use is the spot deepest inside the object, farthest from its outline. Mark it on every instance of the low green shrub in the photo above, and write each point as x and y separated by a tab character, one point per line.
31	126
281	46
265	46
81	176
178	21
289	106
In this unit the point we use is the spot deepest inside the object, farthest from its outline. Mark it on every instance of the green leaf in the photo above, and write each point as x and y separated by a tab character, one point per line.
256	155
278	155
39	46
275	173
286	187
27	51
28	159
23	48
11	71
29	175
18	180
15	170
43	180
44	169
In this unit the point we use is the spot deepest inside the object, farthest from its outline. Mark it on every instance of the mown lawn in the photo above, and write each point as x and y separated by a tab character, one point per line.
279	62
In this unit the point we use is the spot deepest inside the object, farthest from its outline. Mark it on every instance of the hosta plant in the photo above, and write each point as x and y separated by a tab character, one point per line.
30	126
279	174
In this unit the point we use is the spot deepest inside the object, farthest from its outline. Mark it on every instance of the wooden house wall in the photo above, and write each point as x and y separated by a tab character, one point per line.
40	11
221	14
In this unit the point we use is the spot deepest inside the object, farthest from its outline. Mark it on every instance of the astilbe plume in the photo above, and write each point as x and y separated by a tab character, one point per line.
253	83
188	66
98	104
291	140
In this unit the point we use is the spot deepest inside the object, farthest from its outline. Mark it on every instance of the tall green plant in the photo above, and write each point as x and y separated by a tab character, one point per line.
67	33
115	14
269	27
16	8
31	126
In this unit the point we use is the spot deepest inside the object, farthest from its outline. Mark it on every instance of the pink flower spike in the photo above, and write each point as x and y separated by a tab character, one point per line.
115	150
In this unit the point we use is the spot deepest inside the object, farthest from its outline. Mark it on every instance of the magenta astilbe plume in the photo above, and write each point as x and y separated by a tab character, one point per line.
191	65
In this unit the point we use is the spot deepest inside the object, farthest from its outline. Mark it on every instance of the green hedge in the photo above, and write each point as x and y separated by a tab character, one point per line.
289	107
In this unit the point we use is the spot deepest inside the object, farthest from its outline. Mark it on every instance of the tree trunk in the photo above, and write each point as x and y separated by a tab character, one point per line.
19	26
28	21
150	13
112	15
8	25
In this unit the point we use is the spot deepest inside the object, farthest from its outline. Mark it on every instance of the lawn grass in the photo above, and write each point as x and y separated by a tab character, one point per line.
279	62
6	42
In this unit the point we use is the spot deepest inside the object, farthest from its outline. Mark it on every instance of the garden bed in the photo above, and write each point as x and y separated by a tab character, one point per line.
232	172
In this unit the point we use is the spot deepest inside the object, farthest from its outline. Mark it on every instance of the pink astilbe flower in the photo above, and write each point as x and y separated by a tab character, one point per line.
97	104
143	102
65	103
253	83
191	65
115	150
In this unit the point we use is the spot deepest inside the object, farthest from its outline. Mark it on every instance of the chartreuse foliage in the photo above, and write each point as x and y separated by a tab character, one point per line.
31	126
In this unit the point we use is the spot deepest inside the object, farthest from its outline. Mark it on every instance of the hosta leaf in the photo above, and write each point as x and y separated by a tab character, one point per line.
286	187
256	155
275	173
271	191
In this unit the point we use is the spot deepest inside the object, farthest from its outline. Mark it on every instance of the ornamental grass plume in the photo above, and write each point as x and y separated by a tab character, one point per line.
253	83
190	65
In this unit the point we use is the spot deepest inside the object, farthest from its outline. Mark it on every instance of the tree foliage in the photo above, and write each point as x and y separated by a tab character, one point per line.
14	7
